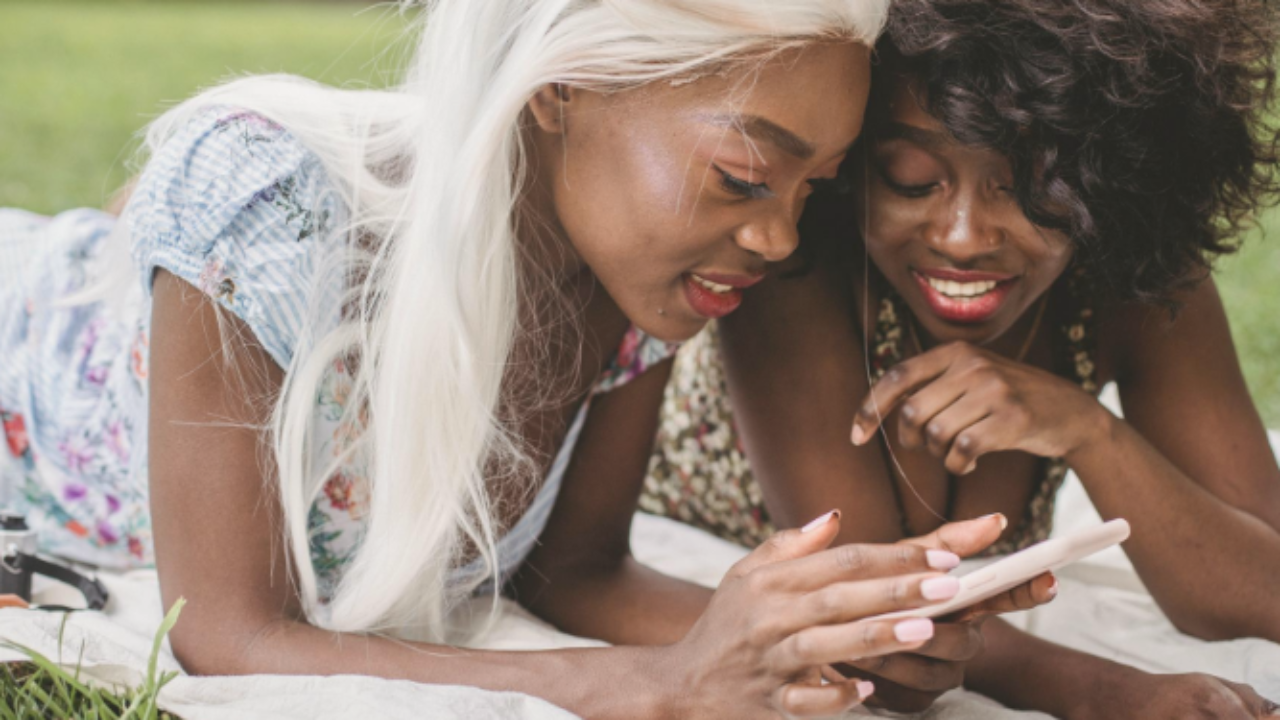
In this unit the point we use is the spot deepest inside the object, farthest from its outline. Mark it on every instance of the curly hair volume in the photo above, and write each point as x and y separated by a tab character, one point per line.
1140	128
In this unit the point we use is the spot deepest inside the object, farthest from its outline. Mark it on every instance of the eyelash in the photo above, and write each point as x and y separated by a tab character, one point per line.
742	188
757	191
910	191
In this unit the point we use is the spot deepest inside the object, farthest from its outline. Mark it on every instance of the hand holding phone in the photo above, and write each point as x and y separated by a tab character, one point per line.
1020	567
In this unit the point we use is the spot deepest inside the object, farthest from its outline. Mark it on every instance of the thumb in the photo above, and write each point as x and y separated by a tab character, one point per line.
792	544
965	538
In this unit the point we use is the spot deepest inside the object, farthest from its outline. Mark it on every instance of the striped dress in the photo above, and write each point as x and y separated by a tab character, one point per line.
235	206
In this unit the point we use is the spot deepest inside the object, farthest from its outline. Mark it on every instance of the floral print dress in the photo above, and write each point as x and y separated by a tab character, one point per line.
699	472
234	205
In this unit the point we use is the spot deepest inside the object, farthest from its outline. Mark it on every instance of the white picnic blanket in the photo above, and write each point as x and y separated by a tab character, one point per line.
1102	609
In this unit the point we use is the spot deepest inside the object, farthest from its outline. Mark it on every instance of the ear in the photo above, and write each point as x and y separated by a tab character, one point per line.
548	106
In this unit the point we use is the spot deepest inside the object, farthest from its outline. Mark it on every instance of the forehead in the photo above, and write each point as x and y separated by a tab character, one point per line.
818	92
899	103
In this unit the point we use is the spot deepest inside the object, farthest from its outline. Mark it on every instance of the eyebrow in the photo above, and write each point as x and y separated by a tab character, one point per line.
759	128
927	139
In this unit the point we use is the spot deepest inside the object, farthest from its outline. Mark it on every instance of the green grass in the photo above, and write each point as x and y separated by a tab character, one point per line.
78	79
43	688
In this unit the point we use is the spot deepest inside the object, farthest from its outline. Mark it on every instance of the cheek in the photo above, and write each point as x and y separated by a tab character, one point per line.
887	223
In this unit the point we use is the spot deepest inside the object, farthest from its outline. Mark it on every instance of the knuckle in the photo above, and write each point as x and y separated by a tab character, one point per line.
827	602
908	557
935	431
852	558
897	592
758	581
869	637
802	647
910	415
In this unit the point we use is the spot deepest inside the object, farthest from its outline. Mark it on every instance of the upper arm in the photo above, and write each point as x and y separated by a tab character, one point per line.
215	512
590	525
794	361
1182	388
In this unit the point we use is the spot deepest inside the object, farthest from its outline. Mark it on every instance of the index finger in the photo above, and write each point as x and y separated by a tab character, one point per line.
889	391
844	563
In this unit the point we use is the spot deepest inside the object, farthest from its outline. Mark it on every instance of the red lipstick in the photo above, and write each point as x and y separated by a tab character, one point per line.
714	304
952	302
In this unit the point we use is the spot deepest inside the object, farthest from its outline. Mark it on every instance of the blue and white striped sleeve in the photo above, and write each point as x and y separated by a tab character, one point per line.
236	206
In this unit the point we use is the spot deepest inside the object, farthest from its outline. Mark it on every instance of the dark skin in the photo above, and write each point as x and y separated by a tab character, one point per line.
634	197
1203	497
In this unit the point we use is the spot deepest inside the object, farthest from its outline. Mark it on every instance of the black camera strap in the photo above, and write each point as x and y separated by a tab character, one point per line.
95	593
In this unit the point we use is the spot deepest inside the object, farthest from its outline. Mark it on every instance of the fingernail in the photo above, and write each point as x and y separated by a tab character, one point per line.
942	560
865	689
1053	589
1004	521
858	437
940	588
913	630
820	521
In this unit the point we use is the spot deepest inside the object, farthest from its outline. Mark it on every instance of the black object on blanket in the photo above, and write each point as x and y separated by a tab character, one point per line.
18	564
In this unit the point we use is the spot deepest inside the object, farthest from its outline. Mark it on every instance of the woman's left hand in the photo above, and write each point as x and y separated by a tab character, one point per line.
962	402
912	681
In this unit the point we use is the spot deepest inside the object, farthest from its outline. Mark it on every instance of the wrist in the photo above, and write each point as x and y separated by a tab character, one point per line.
661	690
1103	694
1099	429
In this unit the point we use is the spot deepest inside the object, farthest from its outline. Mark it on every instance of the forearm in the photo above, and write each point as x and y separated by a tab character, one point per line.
624	604
584	681
1028	673
1210	565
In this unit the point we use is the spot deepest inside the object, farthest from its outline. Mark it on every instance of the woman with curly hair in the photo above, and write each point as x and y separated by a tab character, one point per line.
1040	192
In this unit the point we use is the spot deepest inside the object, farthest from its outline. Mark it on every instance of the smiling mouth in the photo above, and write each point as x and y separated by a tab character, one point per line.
959	299
712	286
961	291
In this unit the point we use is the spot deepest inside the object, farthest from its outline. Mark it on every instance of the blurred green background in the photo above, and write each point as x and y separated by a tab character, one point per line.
79	79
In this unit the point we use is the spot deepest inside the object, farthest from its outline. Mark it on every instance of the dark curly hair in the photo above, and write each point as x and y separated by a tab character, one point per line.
1140	128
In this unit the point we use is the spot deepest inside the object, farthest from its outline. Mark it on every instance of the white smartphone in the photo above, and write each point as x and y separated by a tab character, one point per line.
1018	568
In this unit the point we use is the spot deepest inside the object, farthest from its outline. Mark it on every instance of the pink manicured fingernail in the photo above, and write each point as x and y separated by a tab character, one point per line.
858	437
942	560
865	689
940	588
913	630
820	521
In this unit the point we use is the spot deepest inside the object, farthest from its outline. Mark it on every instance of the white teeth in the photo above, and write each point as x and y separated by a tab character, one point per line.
954	289
713	287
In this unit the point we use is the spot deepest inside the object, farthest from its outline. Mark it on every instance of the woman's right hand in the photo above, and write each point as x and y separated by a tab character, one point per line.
792	608
1138	695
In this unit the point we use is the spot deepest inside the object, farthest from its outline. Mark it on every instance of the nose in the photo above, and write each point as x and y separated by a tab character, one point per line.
967	230
771	235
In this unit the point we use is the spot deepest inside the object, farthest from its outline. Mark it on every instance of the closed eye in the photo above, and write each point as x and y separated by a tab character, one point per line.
909	191
742	188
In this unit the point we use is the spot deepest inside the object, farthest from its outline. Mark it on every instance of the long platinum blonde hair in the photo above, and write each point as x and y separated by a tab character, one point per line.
432	171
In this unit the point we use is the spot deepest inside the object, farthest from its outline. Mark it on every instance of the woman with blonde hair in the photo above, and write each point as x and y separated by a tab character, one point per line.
380	335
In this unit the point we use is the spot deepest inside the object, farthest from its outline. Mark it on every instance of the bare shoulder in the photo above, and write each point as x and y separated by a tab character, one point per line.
1138	338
